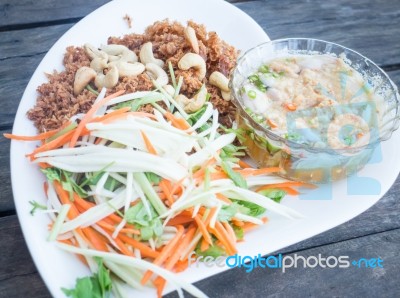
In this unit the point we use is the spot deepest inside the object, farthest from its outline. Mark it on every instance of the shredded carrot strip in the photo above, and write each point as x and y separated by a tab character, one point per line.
88	116
181	265
112	115
164	253
121	246
64	198
178	187
39	137
180	220
204	245
174	258
230	231
218	175
223	198
177	122
56	143
286	184
165	186
144	249
256	172
96	240
222	235
149	145
109	227
203	229
290	191
213	210
237	222
126	114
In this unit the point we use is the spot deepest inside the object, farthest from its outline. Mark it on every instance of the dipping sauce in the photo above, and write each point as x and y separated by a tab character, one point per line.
311	99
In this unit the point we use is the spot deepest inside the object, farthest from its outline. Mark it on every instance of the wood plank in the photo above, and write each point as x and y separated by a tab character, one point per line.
25	42
18	274
43	11
6	197
356	24
48	12
17	271
15	74
365	26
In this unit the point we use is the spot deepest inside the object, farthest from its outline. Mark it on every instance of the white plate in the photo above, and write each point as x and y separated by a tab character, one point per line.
60	269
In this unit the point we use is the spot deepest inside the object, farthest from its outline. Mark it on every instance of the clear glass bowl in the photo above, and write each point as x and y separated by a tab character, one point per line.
305	162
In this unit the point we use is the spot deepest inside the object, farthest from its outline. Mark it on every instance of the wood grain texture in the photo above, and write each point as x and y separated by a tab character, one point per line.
366	26
369	27
41	12
18	274
6	197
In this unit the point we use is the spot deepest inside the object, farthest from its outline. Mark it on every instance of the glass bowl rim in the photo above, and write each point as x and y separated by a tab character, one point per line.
292	144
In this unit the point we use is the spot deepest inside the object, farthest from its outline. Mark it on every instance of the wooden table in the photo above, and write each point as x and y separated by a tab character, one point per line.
29	28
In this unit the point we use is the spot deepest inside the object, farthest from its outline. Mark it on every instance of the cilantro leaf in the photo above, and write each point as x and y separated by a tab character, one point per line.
137	215
227	212
253	209
273	194
103	276
83	288
149	225
71	186
237	179
96	286
52	174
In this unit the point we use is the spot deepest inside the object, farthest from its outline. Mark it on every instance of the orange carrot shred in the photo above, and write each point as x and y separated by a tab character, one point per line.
39	137
88	116
203	229
149	145
164	253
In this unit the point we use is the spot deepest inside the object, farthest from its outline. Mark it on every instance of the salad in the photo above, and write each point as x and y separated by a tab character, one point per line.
133	194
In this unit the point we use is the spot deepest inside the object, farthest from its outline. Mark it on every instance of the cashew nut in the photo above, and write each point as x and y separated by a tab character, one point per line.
128	69
119	52
91	50
113	49
82	77
169	89
219	80
190	60
99	62
157	73
109	80
146	55
194	104
226	95
190	35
